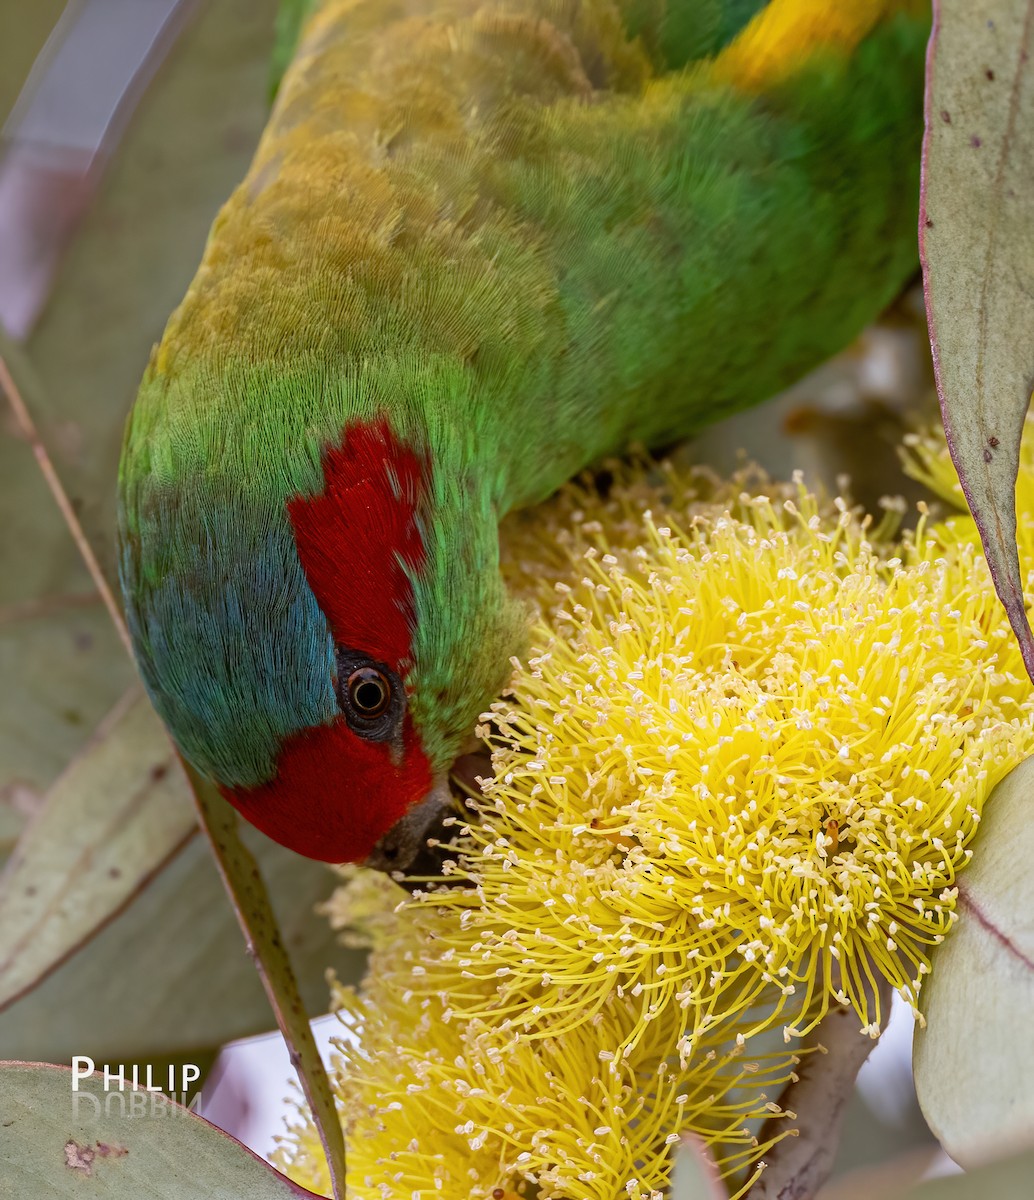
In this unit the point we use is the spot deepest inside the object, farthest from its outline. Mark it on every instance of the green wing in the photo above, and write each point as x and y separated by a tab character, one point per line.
677	32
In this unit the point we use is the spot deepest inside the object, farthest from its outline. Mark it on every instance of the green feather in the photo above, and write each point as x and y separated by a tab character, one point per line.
290	18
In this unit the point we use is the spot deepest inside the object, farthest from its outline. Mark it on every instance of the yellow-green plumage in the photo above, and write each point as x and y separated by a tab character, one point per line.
525	234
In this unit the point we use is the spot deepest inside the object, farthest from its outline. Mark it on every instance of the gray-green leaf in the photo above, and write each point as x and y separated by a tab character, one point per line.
974	1062
171	975
58	1143
115	815
977	249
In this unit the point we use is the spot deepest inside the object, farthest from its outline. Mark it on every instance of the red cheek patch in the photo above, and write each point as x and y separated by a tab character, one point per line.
335	794
354	537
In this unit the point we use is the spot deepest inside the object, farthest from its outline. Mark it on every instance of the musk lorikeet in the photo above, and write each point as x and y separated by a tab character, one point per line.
481	245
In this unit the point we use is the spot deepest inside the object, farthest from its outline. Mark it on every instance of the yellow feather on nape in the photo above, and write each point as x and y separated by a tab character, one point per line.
771	48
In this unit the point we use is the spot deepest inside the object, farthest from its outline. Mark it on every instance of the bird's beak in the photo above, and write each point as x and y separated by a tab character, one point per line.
419	843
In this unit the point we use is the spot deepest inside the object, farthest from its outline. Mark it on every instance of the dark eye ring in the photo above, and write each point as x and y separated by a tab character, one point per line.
369	691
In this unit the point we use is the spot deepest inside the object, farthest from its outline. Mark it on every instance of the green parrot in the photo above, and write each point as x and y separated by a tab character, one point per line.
481	245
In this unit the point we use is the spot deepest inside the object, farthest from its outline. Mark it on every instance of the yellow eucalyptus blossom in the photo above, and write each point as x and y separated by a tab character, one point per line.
734	782
759	746
436	1104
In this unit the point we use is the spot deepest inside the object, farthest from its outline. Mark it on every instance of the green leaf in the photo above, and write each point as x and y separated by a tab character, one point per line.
60	659
977	249
23	39
109	823
187	147
974	1062
171	974
1006	1180
59	1143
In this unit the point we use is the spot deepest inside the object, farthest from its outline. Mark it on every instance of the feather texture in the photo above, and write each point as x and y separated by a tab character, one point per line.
515	236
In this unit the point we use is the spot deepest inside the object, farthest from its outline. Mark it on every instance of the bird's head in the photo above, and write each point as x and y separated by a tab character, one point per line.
321	652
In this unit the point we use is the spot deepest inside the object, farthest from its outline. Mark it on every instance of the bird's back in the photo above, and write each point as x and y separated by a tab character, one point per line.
674	32
552	217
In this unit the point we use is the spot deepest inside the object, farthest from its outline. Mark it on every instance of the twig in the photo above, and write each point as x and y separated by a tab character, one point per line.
799	1164
31	435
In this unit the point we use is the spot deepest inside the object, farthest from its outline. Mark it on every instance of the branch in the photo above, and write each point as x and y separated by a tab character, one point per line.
799	1164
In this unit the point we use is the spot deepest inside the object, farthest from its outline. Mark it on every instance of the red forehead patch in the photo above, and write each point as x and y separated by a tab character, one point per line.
356	538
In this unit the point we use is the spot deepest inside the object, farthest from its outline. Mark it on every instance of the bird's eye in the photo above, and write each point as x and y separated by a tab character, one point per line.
369	691
371	696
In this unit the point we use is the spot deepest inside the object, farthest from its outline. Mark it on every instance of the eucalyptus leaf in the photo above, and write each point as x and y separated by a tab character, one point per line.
118	1144
171	974
185	150
111	820
977	249
1009	1179
23	39
974	1062
61	661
